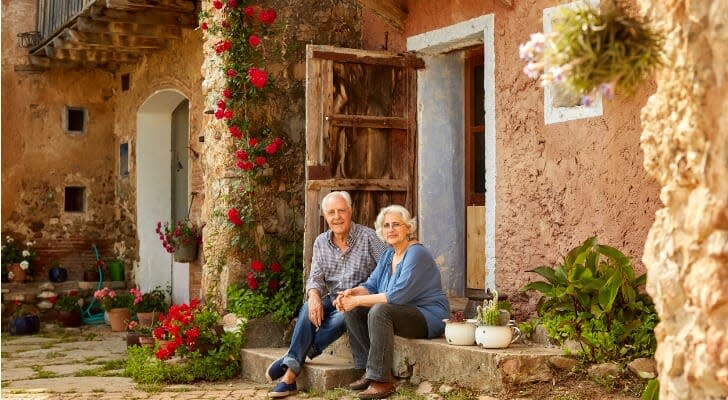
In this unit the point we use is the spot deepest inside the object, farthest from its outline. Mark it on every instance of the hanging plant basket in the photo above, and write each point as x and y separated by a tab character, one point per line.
186	253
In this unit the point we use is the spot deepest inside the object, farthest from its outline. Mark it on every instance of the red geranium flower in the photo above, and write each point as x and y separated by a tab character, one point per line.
234	217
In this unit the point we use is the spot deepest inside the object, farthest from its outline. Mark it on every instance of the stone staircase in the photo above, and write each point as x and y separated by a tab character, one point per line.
418	360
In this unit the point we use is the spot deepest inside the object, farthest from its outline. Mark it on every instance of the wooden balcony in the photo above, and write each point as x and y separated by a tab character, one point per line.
106	33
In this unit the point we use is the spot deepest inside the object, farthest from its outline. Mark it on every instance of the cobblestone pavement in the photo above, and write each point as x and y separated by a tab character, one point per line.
78	363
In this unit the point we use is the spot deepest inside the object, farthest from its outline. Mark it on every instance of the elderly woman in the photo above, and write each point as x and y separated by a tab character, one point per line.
403	297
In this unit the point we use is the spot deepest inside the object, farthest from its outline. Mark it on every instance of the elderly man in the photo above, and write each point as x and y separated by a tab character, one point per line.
343	257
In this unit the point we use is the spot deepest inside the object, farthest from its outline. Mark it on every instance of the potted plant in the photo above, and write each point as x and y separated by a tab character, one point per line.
149	306
180	239
493	331
69	309
138	335
24	320
188	328
16	258
115	268
458	330
57	273
117	305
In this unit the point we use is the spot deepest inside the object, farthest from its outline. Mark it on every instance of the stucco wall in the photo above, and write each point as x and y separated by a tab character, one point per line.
556	184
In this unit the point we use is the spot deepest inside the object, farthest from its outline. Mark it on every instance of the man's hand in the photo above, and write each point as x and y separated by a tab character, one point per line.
315	308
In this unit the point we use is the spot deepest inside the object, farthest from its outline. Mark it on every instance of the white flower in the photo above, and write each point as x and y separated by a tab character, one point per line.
8	239
26	253
30	244
11	275
24	264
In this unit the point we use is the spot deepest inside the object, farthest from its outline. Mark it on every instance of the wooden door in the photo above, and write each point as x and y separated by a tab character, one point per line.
360	133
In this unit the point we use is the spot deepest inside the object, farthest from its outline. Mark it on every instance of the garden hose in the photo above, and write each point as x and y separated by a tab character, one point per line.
97	318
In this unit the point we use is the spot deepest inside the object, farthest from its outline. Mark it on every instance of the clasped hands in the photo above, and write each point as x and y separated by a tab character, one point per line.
345	301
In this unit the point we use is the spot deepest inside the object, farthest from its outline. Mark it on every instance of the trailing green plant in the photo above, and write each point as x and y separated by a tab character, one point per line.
594	298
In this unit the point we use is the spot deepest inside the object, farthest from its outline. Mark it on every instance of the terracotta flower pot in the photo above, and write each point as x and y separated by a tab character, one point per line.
147	318
119	318
146	341
132	339
69	318
16	273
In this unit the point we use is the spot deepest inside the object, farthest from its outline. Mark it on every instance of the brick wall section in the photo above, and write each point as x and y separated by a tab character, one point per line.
75	255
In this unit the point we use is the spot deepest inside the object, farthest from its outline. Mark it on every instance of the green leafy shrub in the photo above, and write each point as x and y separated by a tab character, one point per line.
593	297
257	296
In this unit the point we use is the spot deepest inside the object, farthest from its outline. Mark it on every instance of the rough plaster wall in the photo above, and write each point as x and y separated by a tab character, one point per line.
685	140
178	68
39	159
300	22
556	184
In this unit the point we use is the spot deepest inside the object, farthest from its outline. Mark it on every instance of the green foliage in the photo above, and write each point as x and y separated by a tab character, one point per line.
68	303
284	301
593	297
652	390
154	300
527	328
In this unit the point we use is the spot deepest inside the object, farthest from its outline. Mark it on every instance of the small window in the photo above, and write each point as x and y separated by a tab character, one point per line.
124	82
75	199
124	159
75	120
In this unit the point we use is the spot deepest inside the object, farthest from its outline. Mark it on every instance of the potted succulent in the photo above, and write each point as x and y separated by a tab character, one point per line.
493	331
458	330
69	309
180	239
24	321
149	306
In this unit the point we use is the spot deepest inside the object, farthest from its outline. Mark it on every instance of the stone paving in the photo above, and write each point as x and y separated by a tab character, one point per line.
52	365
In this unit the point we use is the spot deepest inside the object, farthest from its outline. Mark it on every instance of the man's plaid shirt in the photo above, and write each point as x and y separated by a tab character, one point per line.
333	271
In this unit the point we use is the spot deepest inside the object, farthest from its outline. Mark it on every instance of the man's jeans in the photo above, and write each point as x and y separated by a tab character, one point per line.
371	335
307	340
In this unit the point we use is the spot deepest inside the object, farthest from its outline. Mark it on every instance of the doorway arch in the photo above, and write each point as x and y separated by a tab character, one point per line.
162	185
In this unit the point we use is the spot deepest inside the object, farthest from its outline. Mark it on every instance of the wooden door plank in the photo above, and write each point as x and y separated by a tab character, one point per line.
387	185
371	57
364	121
475	247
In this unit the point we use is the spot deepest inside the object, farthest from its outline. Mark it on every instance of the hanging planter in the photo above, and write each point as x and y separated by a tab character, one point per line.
186	252
593	51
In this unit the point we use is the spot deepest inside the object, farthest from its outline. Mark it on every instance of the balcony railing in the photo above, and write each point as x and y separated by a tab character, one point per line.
54	14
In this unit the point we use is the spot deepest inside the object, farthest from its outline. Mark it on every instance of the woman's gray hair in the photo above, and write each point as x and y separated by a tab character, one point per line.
344	195
403	213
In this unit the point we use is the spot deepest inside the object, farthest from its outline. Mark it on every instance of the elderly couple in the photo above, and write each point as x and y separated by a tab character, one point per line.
374	291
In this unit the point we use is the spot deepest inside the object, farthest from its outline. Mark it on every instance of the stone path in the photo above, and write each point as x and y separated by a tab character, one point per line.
83	363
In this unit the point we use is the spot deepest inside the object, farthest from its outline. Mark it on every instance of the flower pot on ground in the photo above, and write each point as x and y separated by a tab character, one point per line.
23	321
69	309
149	306
119	318
458	331
132	339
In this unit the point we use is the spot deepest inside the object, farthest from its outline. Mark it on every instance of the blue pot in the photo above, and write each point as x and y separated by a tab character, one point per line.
25	325
57	274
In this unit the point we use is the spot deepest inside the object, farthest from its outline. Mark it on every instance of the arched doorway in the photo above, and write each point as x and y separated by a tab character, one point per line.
162	188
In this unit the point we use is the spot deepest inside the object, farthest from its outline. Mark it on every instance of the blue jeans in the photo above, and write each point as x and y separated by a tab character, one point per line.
307	340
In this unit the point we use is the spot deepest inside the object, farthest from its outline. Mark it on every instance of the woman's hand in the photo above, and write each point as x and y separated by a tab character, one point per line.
347	303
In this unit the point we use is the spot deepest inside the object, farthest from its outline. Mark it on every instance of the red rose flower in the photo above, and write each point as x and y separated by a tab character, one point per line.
252	142
234	217
254	40
232	3
221	104
257	266
222	46
203	26
267	16
260	160
235	131
227	93
257	77
249	11
271	148
241	155
275	267
247	166
231	73
219	113
278	142
228	114
217	4
252	283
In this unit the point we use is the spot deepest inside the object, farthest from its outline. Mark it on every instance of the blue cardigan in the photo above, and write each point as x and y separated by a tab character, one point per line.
416	282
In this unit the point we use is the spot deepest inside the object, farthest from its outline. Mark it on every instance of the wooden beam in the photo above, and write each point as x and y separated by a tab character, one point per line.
169	5
386	9
367	57
76	39
88	25
95	56
386	185
145	17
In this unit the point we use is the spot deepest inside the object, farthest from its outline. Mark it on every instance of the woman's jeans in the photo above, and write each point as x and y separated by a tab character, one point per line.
309	341
371	335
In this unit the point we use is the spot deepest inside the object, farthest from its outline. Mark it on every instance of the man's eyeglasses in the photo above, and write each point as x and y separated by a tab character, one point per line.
393	225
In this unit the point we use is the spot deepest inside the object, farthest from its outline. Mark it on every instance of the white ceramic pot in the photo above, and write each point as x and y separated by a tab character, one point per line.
460	333
495	337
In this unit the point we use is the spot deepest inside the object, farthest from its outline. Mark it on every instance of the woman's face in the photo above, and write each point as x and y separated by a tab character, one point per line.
394	230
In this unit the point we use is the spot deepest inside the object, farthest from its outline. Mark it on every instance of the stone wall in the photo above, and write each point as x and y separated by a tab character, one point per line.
685	140
279	203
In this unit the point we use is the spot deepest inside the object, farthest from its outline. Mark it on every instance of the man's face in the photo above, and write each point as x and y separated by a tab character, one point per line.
338	215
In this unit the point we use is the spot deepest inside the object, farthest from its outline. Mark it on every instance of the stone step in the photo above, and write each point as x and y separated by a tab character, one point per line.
322	373
418	360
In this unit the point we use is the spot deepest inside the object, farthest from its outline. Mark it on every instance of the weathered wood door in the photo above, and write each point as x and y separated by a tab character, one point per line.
360	133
